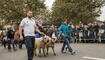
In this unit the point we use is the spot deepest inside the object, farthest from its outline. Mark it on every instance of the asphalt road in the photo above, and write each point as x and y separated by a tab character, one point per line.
85	51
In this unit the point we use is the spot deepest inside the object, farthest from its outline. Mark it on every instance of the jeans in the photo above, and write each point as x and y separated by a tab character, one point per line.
0	41
11	41
95	35
30	40
66	42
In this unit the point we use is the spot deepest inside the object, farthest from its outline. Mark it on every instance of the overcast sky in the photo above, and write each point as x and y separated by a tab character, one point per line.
50	2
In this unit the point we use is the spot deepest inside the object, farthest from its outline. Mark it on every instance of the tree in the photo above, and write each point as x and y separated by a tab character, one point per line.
77	11
12	11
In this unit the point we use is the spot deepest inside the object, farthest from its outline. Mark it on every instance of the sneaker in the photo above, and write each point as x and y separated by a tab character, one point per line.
72	53
63	52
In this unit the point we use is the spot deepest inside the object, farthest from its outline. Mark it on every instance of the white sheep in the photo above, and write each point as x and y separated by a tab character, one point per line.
41	44
51	43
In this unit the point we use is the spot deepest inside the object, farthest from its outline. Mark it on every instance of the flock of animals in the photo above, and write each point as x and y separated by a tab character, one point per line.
45	44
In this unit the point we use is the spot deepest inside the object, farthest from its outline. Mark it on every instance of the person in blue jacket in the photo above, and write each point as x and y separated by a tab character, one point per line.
65	31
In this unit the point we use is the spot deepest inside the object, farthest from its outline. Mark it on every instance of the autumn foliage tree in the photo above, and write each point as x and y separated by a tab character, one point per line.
76	11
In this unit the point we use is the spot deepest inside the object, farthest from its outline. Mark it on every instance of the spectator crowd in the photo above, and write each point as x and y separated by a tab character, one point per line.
94	33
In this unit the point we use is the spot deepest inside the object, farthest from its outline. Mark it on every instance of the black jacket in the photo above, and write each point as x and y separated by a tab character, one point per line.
10	34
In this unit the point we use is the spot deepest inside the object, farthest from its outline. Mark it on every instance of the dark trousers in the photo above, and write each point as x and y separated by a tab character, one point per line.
30	40
1	42
21	43
4	43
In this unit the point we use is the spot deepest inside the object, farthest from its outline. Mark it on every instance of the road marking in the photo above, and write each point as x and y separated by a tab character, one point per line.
92	58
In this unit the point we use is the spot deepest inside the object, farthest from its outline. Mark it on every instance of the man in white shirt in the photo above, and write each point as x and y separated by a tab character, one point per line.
29	27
